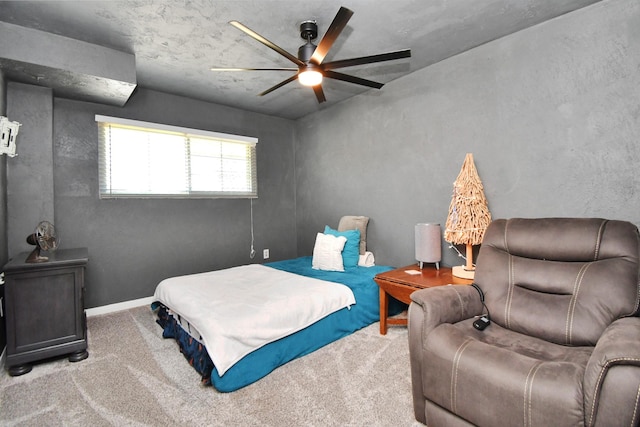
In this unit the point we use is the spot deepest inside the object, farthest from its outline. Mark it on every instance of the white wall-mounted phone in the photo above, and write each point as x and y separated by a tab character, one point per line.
8	133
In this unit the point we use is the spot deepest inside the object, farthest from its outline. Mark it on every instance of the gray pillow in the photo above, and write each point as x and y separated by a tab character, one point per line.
352	222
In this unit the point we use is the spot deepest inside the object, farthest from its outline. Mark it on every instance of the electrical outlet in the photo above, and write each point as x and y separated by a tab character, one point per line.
265	253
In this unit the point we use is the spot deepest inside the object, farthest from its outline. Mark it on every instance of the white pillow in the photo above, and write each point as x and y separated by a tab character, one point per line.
327	252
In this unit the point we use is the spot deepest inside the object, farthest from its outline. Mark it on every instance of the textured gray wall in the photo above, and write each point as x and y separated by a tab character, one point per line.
30	197
135	243
4	256
550	113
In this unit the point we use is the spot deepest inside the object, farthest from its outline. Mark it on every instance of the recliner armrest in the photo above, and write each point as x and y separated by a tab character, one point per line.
430	308
619	346
447	304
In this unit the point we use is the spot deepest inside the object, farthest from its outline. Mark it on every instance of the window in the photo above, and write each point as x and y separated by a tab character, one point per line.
140	159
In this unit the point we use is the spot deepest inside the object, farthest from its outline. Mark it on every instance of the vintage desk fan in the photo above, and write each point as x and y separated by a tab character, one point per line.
44	238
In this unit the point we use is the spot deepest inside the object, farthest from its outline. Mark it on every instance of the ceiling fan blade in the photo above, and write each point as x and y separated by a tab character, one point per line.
352	79
334	30
253	69
266	42
389	56
279	85
319	93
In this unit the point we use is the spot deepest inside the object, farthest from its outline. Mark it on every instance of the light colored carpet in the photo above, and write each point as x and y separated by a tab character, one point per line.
134	377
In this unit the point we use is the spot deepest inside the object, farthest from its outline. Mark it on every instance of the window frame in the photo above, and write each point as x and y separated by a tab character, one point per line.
188	134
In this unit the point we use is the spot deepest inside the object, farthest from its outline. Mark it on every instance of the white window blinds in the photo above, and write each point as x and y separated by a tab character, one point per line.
141	159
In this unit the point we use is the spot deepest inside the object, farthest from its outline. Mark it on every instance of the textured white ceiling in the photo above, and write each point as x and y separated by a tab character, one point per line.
175	43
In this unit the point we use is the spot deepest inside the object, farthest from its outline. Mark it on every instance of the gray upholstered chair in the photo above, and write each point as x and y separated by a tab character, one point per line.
563	346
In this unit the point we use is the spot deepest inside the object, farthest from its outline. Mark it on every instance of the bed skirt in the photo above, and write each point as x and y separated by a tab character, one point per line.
193	350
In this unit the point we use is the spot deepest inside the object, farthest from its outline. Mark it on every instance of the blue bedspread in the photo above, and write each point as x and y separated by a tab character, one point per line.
335	326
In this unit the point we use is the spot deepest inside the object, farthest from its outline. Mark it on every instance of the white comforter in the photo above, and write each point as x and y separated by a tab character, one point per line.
241	309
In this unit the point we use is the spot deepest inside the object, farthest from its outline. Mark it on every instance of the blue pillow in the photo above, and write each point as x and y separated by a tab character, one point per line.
351	251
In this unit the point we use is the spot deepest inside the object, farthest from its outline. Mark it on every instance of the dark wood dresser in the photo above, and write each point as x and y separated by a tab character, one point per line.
44	305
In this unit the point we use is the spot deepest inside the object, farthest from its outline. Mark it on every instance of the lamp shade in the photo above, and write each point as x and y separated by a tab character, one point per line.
428	245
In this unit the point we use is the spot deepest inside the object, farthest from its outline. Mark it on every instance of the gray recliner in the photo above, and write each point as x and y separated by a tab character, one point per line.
563	345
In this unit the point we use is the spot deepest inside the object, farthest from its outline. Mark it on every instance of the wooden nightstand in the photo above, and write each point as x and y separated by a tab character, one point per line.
400	285
45	309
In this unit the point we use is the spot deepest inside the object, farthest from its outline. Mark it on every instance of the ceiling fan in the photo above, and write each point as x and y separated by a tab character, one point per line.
311	70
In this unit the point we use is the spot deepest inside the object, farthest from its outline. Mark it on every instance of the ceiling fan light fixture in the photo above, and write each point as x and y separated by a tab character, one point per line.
310	61
310	77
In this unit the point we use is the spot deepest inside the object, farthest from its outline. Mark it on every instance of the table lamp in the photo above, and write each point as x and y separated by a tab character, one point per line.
428	246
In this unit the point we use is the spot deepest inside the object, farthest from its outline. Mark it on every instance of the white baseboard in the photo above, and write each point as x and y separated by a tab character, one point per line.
112	308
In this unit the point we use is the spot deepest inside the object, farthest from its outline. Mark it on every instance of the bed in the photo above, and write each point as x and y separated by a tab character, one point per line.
242	360
265	359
